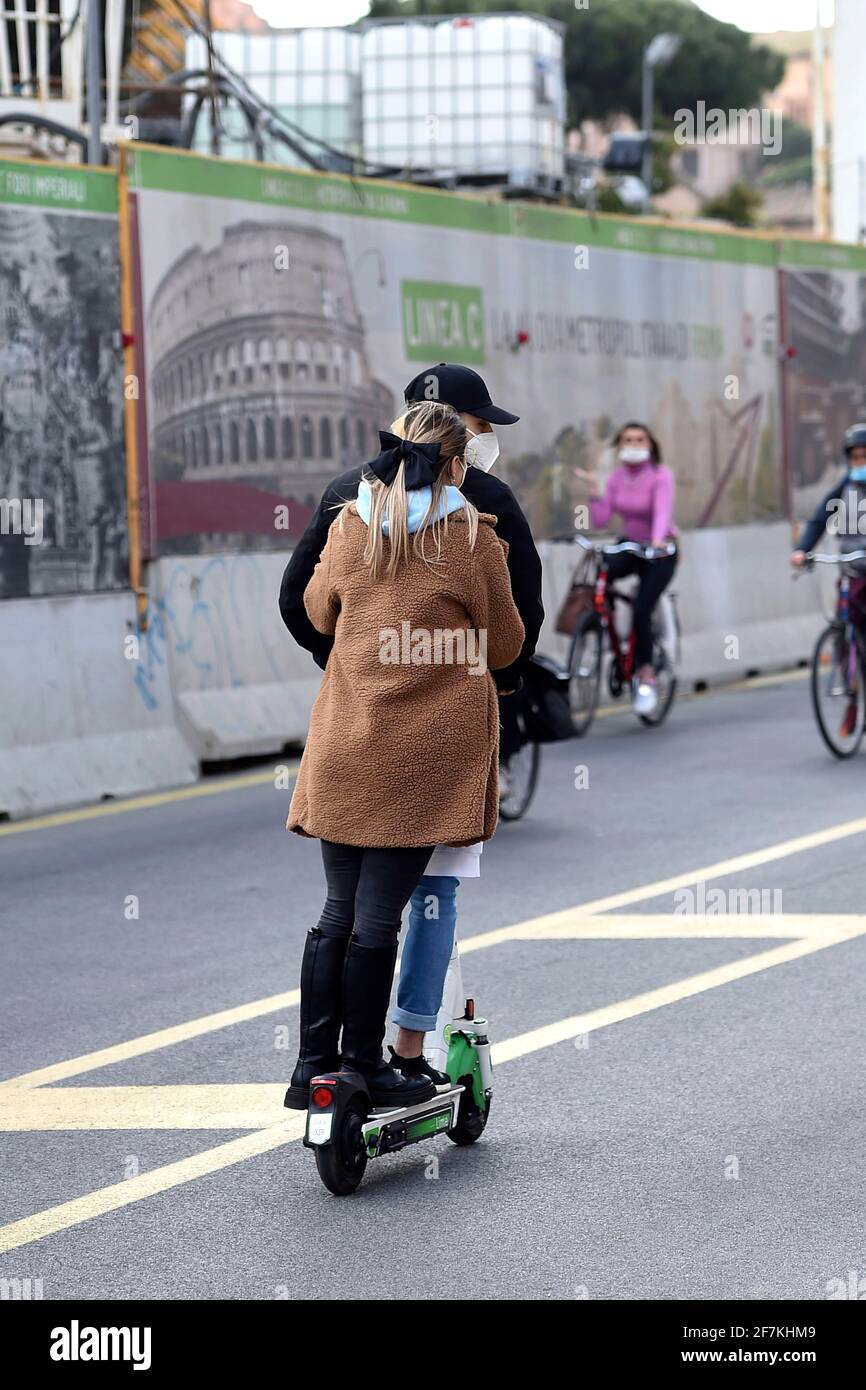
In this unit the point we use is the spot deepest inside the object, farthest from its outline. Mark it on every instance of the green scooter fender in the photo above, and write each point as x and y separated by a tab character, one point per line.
463	1061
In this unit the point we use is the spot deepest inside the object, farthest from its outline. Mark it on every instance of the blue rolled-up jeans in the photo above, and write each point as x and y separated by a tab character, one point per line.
426	952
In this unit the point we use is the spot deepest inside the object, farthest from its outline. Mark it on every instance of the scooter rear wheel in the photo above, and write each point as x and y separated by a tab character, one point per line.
471	1121
343	1162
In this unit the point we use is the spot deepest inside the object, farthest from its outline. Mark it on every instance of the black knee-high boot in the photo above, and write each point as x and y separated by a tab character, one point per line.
367	977
321	995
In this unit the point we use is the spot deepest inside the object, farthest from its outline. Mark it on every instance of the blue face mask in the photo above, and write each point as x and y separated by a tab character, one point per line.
858	474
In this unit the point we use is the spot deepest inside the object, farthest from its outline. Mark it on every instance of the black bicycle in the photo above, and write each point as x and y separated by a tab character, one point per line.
518	778
538	713
519	757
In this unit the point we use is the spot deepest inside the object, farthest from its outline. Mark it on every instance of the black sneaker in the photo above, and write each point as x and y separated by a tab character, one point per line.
419	1066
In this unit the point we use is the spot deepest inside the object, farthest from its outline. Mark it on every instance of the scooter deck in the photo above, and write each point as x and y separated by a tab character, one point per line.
387	1130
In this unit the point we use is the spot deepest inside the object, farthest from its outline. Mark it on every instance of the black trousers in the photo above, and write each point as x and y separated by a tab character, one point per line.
368	890
655	576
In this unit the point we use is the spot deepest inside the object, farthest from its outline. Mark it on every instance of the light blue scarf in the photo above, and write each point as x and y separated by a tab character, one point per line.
452	500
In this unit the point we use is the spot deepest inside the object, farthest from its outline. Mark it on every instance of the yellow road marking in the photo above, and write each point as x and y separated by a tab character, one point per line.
152	1042
551	921
103	1200
28	1105
751	683
123	1194
722	868
654	927
254	1106
81	1209
567	1028
569	917
144	803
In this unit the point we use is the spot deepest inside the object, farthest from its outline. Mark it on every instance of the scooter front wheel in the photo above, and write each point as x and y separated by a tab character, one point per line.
471	1121
343	1162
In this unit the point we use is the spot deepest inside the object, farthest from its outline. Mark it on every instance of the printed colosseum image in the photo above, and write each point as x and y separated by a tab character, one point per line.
260	391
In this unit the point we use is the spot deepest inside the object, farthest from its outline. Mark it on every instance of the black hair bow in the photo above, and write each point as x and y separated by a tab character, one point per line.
421	461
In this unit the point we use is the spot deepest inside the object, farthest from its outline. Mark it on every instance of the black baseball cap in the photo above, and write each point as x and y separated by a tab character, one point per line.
460	387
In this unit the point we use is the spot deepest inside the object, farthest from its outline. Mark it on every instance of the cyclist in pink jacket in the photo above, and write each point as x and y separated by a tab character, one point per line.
641	491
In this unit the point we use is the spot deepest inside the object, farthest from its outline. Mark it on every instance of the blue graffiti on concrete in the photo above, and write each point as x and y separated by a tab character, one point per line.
197	621
151	658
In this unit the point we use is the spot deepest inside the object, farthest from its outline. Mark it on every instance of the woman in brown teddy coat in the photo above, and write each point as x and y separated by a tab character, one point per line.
402	751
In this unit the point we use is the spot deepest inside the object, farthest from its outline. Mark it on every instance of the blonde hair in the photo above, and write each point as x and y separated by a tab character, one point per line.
424	422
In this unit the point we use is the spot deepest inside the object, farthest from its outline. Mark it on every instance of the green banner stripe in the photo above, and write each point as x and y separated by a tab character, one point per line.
822	255
206	176
65	187
71	188
634	234
221	178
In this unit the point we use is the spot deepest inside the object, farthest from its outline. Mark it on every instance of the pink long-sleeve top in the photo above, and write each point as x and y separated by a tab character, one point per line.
644	499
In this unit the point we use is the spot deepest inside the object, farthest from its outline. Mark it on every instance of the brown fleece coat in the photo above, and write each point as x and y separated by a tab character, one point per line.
404	753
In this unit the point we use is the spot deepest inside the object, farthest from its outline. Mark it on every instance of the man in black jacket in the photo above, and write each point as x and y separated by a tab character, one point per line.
466	392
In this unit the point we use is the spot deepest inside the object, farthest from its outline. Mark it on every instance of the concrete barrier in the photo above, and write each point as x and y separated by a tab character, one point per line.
80	720
241	685
740	609
218	677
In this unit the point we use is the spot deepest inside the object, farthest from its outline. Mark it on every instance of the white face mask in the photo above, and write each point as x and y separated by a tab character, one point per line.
634	455
482	451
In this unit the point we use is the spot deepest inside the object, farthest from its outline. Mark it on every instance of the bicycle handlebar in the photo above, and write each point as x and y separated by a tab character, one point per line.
649	552
813	558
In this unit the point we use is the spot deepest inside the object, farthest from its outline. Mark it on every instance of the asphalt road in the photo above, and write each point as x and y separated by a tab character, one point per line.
699	1135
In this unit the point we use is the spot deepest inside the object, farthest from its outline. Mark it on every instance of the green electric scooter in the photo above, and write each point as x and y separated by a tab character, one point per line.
345	1132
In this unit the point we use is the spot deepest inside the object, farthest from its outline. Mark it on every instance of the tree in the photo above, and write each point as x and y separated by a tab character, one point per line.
604	45
739	205
793	164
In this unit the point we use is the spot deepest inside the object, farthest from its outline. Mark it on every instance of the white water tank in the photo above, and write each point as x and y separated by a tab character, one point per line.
309	75
471	95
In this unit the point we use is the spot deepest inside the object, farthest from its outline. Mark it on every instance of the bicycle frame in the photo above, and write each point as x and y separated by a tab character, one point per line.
849	630
603	603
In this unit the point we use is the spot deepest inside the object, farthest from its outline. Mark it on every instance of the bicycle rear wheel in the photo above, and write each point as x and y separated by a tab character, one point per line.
518	778
666	688
584	669
839	690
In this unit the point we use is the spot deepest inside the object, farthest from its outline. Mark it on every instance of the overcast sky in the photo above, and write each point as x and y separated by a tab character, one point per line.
761	15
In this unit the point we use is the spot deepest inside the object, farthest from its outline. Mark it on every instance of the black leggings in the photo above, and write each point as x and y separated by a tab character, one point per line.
368	890
655	576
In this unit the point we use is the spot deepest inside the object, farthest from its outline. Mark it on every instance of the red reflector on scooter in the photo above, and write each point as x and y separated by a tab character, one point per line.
322	1096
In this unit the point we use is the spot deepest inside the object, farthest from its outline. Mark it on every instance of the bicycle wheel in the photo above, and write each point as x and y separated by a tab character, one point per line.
517	781
666	688
839	690
584	669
